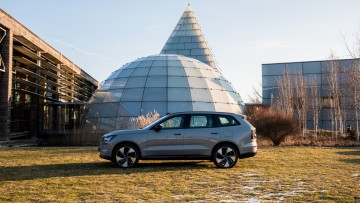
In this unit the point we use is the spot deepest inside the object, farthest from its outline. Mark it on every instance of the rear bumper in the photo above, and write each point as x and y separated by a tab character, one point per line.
247	155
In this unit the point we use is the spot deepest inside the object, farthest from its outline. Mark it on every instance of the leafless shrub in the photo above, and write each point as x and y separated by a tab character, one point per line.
273	124
142	121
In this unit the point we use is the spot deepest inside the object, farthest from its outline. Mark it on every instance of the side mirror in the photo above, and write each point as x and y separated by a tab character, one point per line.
158	128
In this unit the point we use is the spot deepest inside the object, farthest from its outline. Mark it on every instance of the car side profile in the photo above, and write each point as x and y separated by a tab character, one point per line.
219	137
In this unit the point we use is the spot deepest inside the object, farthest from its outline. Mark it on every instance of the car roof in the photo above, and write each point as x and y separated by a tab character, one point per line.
204	112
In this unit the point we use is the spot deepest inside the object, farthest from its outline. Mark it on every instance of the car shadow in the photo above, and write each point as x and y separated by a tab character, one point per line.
352	153
15	173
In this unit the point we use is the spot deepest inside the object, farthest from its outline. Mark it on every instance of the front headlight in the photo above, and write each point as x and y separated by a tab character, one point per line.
108	138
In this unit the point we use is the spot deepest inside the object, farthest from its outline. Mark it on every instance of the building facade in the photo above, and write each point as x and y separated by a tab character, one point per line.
41	91
322	77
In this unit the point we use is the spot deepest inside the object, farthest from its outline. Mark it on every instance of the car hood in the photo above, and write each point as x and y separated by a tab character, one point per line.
122	132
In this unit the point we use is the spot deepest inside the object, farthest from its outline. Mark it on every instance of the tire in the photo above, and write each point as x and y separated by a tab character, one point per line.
225	156
126	155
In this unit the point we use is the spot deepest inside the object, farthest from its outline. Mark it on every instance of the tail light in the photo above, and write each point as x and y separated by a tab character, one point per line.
253	134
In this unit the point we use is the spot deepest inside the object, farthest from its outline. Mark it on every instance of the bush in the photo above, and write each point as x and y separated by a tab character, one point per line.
273	124
142	121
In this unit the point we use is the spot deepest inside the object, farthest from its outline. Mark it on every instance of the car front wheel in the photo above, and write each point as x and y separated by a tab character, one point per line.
225	156
126	155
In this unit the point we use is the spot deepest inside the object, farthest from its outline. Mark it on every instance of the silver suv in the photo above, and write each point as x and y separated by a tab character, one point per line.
220	137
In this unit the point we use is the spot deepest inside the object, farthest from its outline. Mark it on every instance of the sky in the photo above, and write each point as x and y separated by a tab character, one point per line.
100	36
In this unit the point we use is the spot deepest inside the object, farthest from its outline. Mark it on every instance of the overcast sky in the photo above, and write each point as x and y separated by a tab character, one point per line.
102	35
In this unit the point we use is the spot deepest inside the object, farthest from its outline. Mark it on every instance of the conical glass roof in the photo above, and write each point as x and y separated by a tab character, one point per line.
188	40
164	83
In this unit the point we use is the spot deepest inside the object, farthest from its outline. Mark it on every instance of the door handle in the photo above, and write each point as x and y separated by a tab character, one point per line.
214	133
177	134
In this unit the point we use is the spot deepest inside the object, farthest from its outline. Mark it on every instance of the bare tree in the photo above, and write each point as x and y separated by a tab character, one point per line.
256	95
353	88
284	101
333	69
354	83
315	102
299	101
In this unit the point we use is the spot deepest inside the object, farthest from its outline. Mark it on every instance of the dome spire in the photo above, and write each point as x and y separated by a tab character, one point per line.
188	40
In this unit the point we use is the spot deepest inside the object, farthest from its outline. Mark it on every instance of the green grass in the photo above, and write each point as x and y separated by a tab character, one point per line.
274	174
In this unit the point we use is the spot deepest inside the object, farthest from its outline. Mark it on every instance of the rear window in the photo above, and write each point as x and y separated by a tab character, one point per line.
200	121
226	120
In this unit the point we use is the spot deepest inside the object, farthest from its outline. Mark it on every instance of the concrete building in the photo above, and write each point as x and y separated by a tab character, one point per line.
42	92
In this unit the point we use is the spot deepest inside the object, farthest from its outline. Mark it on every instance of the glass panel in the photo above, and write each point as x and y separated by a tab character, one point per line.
203	106
174	122
114	95
268	81
179	94
146	63
161	70
201	95
179	107
118	83
134	64
106	84
177	82
191	45
136	82
103	110
141	71
108	97
294	68
159	63
122	122
186	63
159	107
313	79
98	97
200	121
176	71
156	81
197	82
214	83
197	51
273	69
227	121
208	73
114	74
133	94
174	63
154	94
106	124
219	96
125	73
132	108
193	72
312	67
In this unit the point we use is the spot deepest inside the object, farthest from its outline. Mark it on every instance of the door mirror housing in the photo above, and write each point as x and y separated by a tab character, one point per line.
157	127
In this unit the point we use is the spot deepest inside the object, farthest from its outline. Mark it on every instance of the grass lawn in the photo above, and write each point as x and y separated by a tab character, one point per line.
274	174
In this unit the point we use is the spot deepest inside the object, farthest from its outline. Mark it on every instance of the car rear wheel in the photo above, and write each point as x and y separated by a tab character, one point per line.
126	155
225	156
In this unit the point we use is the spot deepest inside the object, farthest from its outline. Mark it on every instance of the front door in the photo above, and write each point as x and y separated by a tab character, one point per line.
168	141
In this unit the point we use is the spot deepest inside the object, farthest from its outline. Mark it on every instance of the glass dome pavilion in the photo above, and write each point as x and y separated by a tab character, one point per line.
184	77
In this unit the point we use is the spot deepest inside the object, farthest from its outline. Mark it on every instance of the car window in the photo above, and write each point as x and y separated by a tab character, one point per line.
200	121
173	122
225	120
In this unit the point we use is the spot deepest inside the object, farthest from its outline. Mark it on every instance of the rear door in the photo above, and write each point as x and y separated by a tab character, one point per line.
168	141
200	135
